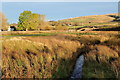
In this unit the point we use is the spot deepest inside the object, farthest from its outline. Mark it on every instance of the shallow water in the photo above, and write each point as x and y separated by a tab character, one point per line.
77	72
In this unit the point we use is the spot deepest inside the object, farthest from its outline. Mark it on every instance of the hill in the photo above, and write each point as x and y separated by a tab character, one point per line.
93	19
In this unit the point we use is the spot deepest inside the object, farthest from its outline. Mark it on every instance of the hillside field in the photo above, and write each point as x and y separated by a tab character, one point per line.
94	20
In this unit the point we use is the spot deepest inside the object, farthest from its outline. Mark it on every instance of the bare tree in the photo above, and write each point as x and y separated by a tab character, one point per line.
3	22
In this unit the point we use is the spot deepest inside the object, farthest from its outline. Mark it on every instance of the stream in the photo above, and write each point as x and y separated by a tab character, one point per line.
77	72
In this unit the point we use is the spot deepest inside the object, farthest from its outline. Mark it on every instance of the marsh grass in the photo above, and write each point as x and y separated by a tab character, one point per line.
97	70
55	56
37	57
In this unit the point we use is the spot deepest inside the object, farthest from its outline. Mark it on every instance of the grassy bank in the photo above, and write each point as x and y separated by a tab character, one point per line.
50	33
54	56
37	57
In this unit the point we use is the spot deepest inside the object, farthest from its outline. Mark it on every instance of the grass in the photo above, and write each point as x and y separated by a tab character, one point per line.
99	25
102	21
92	19
13	34
49	56
41	34
82	33
36	57
97	70
73	27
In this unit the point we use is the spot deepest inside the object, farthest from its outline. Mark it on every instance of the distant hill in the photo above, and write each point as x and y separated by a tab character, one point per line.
93	19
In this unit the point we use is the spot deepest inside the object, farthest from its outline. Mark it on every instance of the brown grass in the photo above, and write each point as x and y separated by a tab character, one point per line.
55	56
35	57
92	19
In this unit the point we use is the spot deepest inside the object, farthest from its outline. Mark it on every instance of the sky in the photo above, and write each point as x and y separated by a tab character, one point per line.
58	10
60	0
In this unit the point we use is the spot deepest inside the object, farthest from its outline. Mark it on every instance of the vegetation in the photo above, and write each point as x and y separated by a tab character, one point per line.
91	19
41	34
31	21
3	21
54	56
41	49
37	57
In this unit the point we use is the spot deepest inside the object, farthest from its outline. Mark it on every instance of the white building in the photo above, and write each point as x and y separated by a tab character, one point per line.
11	28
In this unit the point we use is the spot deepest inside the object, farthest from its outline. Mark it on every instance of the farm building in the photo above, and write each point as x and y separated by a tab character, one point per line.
12	28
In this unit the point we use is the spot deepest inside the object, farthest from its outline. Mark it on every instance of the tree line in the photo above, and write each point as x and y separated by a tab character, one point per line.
31	21
28	21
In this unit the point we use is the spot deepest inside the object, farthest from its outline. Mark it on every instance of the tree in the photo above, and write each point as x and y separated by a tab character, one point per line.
3	21
42	22
24	19
30	21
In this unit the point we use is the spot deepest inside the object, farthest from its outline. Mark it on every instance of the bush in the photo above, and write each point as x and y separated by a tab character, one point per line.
59	27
